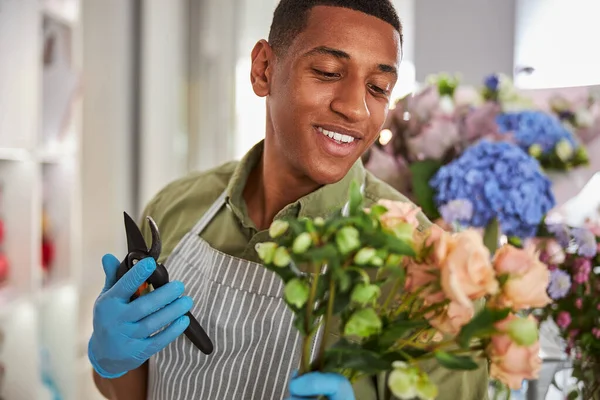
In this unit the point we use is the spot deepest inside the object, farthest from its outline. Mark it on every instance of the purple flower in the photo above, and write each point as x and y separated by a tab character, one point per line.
586	242
492	82
561	232
563	319
560	284
458	210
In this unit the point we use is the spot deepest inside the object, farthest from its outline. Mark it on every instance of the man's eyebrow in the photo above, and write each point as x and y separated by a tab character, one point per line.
345	56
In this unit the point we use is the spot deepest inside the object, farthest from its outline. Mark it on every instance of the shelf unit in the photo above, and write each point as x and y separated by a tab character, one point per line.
40	129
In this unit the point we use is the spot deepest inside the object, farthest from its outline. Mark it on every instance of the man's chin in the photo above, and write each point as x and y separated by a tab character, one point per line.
328	176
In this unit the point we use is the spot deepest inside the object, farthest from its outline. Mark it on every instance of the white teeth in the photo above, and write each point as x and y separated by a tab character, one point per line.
337	136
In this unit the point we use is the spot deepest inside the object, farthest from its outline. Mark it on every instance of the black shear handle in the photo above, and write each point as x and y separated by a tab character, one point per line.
194	332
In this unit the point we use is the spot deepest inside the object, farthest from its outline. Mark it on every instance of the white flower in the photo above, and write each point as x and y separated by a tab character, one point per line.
447	105
584	118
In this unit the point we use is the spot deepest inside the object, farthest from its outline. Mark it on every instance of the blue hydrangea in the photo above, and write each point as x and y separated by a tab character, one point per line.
492	82
501	181
535	127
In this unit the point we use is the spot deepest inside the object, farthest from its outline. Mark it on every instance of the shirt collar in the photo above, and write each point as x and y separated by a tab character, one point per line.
320	203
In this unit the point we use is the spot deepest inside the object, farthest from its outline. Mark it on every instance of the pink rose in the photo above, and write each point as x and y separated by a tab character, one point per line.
527	281
511	363
399	212
467	273
452	318
579	303
563	319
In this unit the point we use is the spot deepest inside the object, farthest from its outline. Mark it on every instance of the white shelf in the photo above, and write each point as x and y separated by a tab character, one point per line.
39	170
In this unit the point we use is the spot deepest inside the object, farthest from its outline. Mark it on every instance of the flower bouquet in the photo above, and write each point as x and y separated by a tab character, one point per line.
571	254
398	293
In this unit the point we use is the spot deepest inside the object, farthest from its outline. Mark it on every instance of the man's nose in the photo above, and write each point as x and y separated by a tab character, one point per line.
350	101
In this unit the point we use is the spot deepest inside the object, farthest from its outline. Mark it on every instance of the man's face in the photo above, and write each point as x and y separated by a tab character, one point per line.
330	91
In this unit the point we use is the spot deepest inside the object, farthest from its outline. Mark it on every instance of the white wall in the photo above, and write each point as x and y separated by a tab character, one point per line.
163	116
557	38
214	33
473	37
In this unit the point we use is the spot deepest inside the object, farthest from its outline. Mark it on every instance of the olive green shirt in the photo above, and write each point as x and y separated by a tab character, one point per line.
179	206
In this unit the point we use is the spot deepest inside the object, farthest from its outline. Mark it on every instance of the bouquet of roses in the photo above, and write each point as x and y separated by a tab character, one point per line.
572	254
397	293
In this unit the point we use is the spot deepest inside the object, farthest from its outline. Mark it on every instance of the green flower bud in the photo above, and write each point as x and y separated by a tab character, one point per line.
319	221
266	251
364	255
282	257
523	331
404	232
535	150
393	260
347	239
302	243
426	390
363	323
402	382
364	294
376	261
296	292
278	228
581	155
564	150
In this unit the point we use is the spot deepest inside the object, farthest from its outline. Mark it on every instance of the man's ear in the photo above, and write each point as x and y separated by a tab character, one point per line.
261	71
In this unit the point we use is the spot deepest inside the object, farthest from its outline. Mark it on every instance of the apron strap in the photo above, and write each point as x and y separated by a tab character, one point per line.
210	214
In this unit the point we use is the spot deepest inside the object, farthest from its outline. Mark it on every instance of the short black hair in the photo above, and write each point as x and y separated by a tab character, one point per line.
290	17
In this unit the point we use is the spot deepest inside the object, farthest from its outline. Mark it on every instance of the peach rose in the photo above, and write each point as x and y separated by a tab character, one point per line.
466	270
527	281
418	276
511	363
452	318
399	212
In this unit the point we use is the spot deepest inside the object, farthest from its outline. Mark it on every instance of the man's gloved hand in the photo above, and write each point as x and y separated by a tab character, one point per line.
315	384
121	338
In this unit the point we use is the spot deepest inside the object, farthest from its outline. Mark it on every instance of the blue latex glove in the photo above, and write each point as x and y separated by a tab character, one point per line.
121	338
314	384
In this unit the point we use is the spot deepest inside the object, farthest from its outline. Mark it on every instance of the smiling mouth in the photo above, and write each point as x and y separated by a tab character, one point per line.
339	138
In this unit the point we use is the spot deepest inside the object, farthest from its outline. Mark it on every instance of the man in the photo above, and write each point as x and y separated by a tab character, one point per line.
327	72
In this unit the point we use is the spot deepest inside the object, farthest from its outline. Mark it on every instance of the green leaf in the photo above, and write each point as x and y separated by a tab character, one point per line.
398	330
573	395
322	254
481	325
398	246
422	172
377	211
356	198
455	362
346	355
490	237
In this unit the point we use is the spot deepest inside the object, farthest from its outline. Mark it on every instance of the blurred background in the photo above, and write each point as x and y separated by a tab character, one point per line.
103	102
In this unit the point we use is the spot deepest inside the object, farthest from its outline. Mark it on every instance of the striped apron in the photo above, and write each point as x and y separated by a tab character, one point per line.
240	305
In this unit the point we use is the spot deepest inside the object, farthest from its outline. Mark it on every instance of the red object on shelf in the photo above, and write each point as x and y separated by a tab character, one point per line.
48	252
4	267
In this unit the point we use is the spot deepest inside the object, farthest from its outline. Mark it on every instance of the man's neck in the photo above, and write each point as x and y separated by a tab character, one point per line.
271	187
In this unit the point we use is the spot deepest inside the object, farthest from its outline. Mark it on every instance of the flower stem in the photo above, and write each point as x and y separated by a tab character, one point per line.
305	361
392	294
330	303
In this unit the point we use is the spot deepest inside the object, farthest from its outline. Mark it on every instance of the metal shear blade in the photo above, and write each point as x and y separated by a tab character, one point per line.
136	241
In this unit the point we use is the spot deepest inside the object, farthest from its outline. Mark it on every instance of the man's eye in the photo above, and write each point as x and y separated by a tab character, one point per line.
377	89
328	75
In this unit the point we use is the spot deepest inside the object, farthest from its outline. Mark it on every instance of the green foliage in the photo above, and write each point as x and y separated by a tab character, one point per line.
453	361
481	326
422	172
